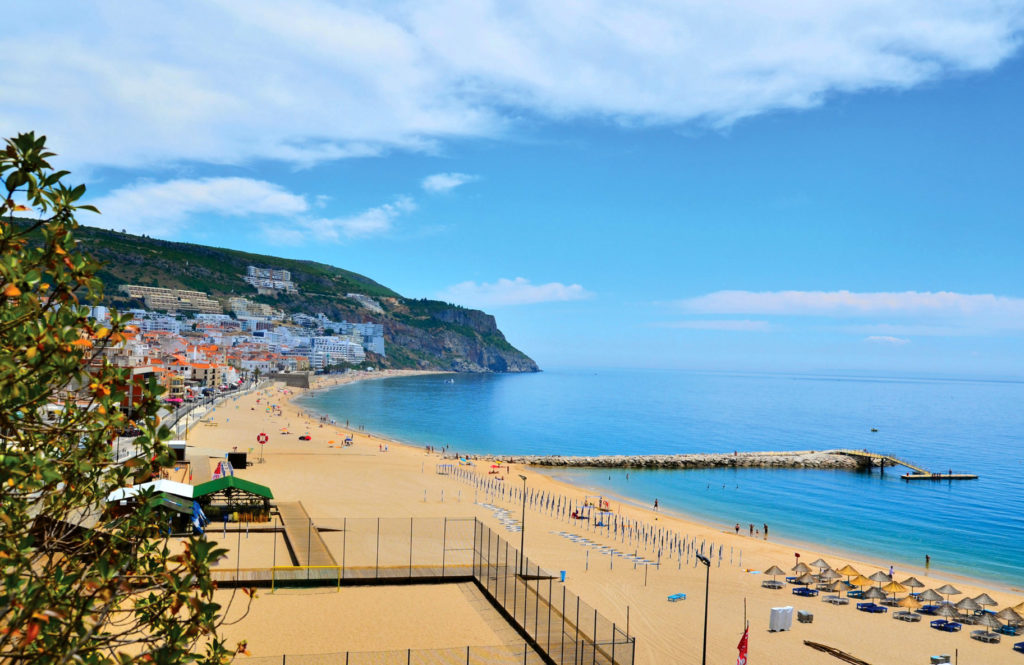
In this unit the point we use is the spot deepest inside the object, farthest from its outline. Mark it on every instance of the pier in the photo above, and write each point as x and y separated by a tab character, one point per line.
838	458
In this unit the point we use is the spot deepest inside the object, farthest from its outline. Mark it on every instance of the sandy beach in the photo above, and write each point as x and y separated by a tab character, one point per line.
363	480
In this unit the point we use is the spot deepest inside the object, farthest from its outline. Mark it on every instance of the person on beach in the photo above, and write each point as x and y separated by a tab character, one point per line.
655	505
751	530
766	532
737	528
927	561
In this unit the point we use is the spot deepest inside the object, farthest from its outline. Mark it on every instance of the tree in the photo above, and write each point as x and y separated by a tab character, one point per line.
79	584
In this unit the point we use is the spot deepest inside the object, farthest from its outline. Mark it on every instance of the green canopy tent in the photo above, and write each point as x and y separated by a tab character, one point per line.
241	500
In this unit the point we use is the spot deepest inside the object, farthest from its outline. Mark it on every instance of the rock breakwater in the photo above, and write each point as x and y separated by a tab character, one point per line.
799	459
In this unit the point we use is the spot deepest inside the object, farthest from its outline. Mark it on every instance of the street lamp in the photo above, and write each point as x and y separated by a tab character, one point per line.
707	583
522	533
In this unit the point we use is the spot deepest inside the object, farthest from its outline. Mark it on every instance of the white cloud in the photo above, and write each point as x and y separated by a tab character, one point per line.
881	314
729	325
149	83
378	220
442	183
518	291
164	208
887	339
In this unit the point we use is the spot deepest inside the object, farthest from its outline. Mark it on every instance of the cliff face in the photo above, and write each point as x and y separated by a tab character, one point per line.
418	334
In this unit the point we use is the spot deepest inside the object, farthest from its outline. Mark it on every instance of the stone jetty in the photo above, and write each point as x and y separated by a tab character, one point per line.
797	459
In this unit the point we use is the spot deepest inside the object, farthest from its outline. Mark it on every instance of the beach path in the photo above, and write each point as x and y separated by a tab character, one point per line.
304	538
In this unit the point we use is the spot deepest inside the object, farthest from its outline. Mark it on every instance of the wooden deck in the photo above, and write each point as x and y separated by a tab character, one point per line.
304	541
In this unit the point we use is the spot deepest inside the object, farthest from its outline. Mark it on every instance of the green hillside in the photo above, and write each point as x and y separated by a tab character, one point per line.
419	334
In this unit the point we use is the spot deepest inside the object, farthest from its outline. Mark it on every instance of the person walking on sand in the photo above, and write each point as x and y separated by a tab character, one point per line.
751	530
737	528
766	532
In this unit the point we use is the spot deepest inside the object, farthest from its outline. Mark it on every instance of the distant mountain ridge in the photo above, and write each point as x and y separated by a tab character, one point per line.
418	334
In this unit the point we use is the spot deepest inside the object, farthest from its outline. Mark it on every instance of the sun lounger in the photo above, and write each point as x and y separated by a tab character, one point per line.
1019	646
907	616
836	600
946	626
986	636
791	579
872	607
772	584
856	593
928	609
676	597
804	591
1010	630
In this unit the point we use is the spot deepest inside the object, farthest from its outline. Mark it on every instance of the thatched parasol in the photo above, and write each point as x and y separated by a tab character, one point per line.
948	611
909	602
968	605
801	568
830	575
880	577
930	595
1010	616
848	570
913	583
874	593
985	599
773	571
989	621
949	590
894	588
806	578
820	564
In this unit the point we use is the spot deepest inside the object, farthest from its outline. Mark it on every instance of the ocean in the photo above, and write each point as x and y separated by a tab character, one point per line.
973	528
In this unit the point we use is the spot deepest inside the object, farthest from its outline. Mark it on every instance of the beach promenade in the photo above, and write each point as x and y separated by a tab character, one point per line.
334	482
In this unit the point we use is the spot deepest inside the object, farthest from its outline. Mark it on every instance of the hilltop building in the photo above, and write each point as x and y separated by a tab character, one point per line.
245	308
270	280
172	300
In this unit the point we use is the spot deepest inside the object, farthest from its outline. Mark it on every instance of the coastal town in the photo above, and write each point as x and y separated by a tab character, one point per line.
188	343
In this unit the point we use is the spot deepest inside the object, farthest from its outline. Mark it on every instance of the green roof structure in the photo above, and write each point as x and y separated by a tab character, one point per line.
231	482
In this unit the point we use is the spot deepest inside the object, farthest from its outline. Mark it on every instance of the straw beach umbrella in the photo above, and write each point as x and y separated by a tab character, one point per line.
880	577
948	590
801	568
948	611
874	593
773	571
1010	617
913	583
894	588
806	579
909	602
821	565
986	600
990	622
1019	609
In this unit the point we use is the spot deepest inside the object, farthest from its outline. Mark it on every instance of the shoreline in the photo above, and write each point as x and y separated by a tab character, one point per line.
567	487
365	482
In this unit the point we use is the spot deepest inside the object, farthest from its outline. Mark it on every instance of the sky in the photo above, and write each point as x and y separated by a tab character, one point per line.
746	186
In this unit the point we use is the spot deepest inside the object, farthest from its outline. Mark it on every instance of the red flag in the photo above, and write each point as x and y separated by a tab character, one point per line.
742	646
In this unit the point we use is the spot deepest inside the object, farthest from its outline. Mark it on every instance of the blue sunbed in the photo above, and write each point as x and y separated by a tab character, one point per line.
1019	646
872	607
928	609
947	626
804	591
856	593
676	596
1010	630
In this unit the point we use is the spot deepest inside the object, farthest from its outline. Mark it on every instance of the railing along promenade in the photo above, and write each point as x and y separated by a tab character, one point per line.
557	627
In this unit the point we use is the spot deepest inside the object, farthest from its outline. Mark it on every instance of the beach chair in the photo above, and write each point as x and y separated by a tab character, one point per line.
928	609
1012	631
946	626
1019	646
986	636
804	591
836	600
855	593
872	608
909	617
772	584
676	597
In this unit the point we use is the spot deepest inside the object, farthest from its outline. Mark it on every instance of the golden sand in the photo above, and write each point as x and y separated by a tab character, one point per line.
333	481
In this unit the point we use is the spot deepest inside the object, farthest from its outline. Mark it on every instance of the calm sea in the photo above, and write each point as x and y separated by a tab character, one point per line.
967	527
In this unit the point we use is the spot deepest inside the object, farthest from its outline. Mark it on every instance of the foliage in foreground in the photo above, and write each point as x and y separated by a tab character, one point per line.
79	584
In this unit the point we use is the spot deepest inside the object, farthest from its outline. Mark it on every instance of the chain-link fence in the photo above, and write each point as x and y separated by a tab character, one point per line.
553	619
507	654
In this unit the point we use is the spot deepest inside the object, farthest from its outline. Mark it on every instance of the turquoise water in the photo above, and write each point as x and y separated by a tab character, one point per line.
968	527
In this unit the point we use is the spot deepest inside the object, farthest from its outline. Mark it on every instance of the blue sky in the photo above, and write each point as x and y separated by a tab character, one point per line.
758	186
